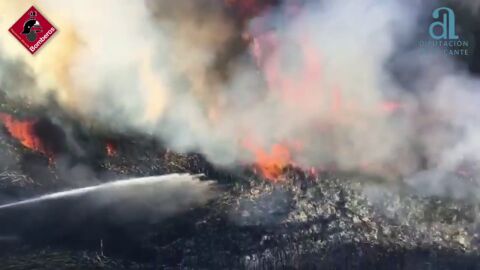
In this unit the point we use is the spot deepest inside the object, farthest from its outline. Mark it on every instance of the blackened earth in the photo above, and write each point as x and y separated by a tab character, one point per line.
325	221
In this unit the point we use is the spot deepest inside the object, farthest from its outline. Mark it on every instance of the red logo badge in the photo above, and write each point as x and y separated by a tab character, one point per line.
32	30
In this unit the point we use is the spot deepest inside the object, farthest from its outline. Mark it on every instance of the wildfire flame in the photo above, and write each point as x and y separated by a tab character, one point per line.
297	88
110	149
248	8
24	132
271	163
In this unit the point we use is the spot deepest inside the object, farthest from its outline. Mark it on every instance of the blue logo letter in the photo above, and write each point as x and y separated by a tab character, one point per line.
447	24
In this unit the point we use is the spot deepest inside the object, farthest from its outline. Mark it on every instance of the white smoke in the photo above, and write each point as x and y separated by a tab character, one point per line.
317	73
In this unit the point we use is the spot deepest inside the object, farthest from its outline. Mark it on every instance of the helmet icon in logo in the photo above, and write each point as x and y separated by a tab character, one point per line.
32	30
32	27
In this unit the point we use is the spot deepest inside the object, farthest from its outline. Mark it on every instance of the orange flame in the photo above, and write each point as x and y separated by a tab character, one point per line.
248	8
111	149
23	131
298	89
270	163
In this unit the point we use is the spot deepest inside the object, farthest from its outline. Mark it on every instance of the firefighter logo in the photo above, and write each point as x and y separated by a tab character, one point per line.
32	30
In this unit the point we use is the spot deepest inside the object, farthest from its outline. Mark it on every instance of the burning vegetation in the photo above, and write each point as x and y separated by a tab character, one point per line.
271	164
249	8
111	148
295	90
24	131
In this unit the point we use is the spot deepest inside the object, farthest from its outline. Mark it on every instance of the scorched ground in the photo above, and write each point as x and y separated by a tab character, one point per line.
308	220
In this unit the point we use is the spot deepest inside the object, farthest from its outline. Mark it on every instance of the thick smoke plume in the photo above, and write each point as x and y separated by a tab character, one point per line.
326	83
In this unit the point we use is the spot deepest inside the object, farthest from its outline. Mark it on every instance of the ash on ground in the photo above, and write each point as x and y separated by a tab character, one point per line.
305	221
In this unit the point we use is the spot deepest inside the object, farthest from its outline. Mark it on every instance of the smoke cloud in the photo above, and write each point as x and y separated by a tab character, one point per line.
337	83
